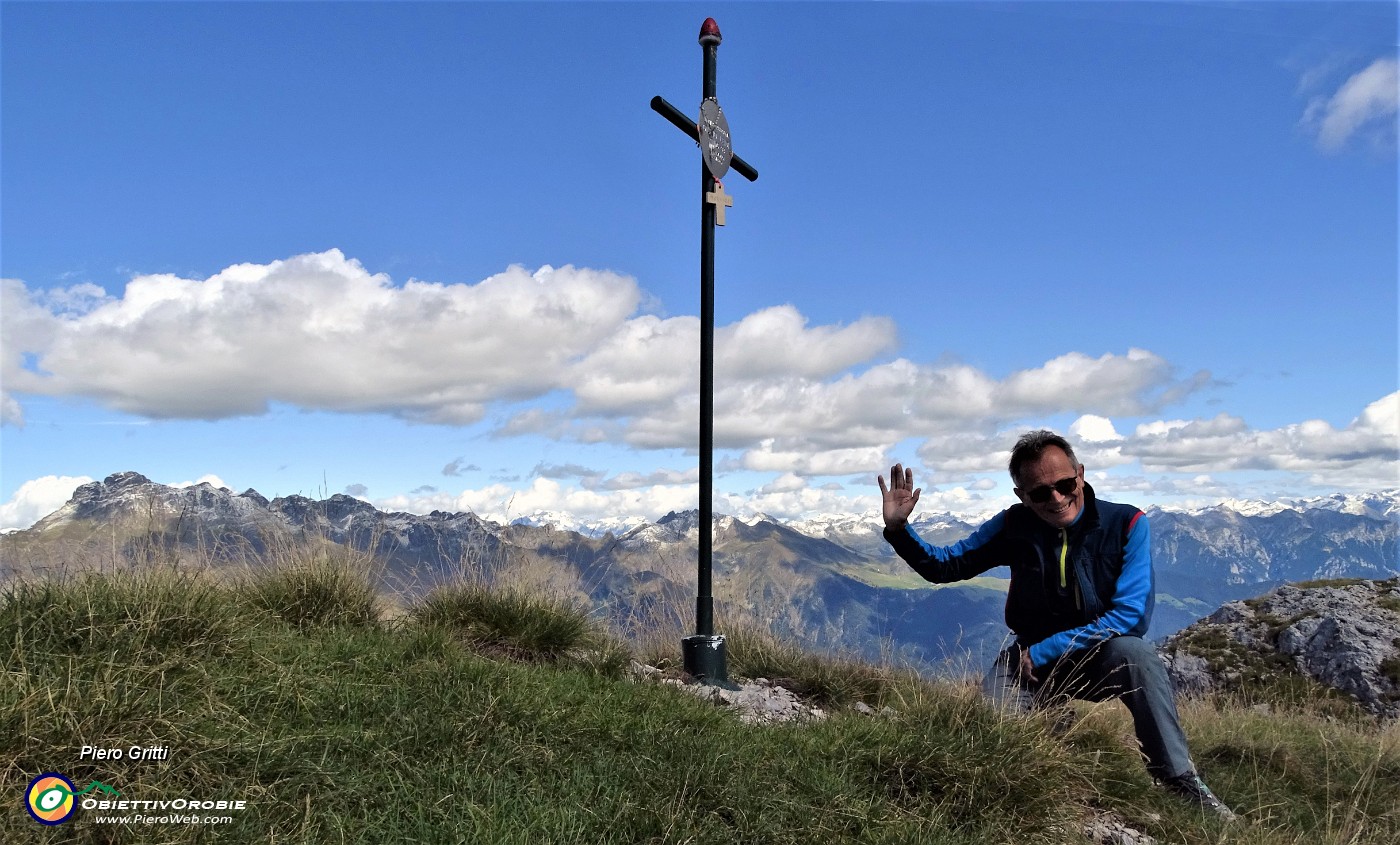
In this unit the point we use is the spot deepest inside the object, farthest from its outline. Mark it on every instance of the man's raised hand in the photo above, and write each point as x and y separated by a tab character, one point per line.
900	497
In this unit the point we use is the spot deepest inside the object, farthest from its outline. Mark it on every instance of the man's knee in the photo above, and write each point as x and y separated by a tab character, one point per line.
1130	651
1132	663
1002	688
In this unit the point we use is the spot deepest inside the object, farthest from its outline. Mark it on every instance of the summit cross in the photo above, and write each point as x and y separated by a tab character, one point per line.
704	654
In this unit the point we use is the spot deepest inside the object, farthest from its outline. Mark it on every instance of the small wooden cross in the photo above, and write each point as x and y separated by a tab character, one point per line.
720	200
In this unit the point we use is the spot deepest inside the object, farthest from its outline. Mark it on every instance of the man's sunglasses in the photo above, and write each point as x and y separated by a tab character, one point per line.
1065	486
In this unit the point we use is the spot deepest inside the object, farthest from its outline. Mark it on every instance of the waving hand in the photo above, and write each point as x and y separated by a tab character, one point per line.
900	497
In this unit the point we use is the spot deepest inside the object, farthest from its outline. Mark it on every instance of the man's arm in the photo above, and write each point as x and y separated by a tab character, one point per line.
939	564
1125	611
945	564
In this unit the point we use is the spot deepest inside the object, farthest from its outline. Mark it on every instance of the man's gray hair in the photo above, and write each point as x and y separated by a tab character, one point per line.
1032	445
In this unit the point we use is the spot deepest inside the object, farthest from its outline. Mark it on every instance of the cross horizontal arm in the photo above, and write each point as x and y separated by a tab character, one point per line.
686	125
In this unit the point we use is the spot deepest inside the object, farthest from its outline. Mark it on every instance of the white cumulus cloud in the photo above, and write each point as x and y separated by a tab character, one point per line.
208	478
1092	428
504	503
37	498
769	457
317	331
1364	453
778	342
11	413
1365	103
562	353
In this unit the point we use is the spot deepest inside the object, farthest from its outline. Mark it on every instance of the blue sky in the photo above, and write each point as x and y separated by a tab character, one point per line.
444	256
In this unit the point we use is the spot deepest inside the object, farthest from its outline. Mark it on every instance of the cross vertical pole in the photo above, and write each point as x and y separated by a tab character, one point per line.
704	601
703	654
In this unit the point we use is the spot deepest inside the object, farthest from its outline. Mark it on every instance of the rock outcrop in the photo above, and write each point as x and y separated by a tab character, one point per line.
1342	634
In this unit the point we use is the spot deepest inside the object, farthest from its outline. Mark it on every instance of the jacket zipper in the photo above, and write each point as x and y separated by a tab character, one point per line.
1064	553
1064	581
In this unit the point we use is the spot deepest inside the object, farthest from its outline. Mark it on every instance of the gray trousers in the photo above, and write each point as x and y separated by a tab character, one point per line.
1126	668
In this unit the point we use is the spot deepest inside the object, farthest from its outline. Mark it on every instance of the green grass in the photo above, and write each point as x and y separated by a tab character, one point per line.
1328	582
325	585
515	624
1390	597
824	679
503	717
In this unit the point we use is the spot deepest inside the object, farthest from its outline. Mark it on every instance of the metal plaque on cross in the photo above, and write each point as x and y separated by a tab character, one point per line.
714	139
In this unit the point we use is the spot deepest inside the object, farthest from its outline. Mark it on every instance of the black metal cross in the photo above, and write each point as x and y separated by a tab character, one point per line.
704	654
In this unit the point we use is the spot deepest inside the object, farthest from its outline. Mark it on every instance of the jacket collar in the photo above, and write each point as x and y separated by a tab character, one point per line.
1087	520
1089	514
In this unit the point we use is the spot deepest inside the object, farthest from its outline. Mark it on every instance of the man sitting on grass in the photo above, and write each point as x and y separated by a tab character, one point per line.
1080	599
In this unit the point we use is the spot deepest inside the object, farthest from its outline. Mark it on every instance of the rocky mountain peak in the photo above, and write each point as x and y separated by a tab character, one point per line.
131	498
119	480
1343	633
102	499
680	519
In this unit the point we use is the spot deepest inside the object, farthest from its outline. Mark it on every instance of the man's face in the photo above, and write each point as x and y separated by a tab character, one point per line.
1039	477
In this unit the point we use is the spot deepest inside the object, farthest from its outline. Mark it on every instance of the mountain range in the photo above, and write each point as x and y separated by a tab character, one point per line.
830	582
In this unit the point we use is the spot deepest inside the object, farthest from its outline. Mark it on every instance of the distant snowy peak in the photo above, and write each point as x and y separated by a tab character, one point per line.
865	526
671	528
130	494
676	525
836	525
759	517
615	525
1382	505
1248	507
939	522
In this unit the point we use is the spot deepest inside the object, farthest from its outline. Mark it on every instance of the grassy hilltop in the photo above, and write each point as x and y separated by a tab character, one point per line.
497	715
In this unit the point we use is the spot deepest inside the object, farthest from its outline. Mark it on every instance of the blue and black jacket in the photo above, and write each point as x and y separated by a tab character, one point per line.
1070	588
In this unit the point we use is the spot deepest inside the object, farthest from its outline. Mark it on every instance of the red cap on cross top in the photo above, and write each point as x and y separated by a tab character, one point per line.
709	30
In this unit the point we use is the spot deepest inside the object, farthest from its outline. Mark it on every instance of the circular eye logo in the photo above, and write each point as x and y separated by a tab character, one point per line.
50	798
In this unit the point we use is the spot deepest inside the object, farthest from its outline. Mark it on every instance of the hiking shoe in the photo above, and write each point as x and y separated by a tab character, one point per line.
1193	789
